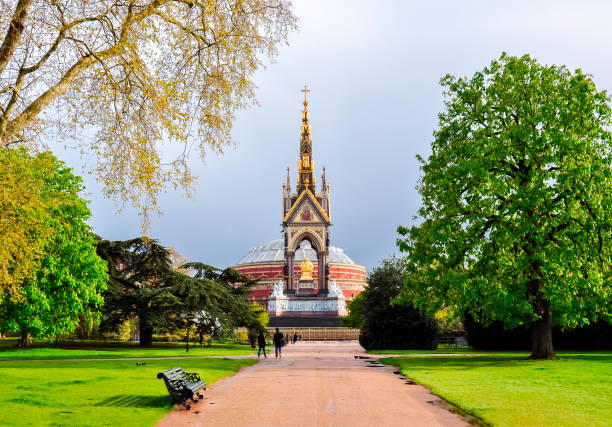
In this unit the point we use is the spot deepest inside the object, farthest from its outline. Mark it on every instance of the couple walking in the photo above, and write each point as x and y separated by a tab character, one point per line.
278	339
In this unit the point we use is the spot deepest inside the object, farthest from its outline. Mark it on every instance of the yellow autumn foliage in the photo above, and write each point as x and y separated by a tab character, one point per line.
138	85
23	205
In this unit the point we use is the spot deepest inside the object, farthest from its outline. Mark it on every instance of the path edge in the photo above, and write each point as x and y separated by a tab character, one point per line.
469	417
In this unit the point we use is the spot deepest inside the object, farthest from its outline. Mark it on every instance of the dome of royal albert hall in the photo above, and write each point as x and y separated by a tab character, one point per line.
265	263
274	252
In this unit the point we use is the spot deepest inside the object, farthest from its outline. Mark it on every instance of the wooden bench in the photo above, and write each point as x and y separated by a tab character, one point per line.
183	385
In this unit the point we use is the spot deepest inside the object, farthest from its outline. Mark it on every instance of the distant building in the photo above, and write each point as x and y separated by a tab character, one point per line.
306	218
266	263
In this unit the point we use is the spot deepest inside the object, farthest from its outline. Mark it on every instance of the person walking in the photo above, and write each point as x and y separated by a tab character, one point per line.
278	342
261	345
201	332
295	338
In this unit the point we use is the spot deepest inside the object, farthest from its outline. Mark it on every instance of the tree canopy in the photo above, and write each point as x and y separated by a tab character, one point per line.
26	203
356	313
143	284
64	277
137	73
516	216
385	323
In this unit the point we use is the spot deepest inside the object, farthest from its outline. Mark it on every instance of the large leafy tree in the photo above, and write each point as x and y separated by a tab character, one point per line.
143	284
356	312
66	277
516	216
25	203
227	305
385	322
137	73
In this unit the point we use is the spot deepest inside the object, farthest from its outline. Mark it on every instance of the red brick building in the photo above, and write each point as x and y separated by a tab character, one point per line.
266	263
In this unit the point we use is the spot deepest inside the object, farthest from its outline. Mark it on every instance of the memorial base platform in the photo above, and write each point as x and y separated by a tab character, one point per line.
305	308
304	321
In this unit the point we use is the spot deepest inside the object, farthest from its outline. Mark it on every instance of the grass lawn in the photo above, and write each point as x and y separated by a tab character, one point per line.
436	351
510	390
95	350
108	393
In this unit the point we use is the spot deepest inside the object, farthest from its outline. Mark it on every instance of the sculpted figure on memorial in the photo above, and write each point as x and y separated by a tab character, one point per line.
278	289
334	290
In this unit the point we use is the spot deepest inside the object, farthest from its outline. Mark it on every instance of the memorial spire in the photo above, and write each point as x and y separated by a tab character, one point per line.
306	179
305	140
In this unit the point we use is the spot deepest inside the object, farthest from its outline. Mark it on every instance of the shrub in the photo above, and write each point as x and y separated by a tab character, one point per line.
166	338
393	326
398	327
241	336
597	336
449	323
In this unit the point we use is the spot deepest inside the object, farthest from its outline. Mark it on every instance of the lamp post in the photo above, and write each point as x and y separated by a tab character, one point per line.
188	317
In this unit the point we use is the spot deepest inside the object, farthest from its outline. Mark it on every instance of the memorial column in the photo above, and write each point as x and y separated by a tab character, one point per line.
322	262
289	258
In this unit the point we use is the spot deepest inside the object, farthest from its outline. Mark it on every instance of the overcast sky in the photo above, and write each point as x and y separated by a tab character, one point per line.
373	68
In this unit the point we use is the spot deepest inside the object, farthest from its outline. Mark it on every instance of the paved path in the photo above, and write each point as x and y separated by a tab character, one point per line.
316	384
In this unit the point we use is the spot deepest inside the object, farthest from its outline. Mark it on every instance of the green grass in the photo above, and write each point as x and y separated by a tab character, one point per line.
510	390
437	351
95	350
84	393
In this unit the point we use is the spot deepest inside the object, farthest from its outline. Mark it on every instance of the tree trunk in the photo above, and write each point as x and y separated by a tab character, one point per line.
541	332
13	33
146	335
146	330
25	340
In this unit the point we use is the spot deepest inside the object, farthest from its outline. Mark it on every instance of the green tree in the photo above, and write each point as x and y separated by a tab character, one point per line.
25	203
143	284
262	320
66	284
231	307
356	316
388	323
260	314
139	74
516	216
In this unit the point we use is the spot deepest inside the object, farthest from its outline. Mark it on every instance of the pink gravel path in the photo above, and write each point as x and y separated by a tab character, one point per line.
316	384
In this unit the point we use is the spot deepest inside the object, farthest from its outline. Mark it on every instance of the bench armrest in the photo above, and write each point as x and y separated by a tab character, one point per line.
193	376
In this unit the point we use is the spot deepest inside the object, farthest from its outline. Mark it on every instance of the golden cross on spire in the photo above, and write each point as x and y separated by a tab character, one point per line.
305	90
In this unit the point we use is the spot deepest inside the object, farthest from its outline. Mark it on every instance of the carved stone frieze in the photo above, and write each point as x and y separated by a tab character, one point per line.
284	304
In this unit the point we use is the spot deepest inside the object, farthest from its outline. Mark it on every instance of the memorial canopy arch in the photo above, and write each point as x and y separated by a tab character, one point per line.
306	222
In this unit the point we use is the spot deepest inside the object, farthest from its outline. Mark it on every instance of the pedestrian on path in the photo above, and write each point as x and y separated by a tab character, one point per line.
278	342
295	338
261	345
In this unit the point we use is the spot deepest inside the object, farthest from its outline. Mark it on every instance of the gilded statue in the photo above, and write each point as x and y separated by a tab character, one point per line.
306	268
